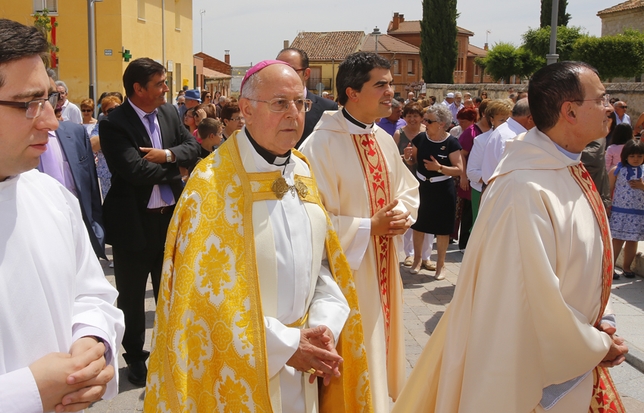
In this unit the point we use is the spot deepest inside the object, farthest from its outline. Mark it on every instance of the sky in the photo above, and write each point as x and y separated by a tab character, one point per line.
254	30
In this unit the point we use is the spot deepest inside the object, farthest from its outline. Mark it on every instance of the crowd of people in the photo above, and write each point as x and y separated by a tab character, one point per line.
275	270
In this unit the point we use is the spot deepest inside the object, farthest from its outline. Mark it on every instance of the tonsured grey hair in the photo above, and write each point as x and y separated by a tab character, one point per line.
443	114
250	87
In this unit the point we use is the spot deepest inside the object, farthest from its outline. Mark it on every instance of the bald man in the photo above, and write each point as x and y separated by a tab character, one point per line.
259	279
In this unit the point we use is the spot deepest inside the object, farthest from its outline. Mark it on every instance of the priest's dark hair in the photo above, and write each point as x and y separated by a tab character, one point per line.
550	87
354	71
632	147
18	41
140	71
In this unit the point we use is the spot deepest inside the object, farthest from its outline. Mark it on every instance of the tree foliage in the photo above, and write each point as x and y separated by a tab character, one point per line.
42	22
621	55
505	60
438	47
537	42
546	13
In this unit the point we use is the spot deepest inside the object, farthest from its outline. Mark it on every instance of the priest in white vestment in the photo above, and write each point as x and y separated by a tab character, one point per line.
59	330
360	176
528	329
291	330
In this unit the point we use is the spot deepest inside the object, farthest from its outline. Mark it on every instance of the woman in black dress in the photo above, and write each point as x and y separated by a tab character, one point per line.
438	158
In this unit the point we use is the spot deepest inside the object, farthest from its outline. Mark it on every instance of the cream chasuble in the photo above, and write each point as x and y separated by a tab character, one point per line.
343	174
223	335
530	289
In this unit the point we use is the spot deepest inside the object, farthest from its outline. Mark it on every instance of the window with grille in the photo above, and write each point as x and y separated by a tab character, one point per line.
50	5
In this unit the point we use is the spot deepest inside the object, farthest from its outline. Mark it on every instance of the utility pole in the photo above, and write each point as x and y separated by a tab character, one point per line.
202	12
553	57
91	41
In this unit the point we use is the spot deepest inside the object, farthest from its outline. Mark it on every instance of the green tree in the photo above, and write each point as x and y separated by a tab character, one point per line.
504	61
438	47
42	22
546	13
537	42
621	55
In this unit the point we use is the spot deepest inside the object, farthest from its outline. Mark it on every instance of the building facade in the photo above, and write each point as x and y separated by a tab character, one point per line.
158	29
464	72
626	15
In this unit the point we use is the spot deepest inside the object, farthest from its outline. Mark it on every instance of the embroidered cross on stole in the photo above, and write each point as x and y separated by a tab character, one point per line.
376	175
605	397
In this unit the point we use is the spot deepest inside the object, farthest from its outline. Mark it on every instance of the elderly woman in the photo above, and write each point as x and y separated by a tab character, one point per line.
413	115
437	155
232	119
87	111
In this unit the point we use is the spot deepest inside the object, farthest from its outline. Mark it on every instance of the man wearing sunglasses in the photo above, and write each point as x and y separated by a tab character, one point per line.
59	331
248	276
620	112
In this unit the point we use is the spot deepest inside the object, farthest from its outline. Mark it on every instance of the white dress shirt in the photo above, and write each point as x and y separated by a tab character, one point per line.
496	145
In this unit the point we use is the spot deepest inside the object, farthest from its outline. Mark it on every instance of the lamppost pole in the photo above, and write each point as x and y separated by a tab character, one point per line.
553	57
202	12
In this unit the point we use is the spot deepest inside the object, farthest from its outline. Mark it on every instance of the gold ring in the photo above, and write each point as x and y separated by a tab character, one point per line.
311	370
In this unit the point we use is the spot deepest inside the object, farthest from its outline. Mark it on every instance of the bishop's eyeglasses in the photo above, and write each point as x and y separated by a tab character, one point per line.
280	105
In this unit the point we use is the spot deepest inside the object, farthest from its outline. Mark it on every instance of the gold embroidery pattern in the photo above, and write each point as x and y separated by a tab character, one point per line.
377	176
209	341
605	397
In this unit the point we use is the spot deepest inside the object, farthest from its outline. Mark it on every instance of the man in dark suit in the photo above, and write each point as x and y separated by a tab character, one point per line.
70	160
144	143
299	61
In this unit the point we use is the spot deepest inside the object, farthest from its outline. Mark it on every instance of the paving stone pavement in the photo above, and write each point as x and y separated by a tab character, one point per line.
425	302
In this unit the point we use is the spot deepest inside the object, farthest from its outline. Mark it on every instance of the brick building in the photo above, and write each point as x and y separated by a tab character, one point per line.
213	74
466	70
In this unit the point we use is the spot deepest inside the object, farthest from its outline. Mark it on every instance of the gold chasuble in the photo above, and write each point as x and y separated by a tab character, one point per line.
605	396
209	350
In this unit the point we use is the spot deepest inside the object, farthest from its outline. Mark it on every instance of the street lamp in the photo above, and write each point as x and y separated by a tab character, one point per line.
202	12
552	57
376	33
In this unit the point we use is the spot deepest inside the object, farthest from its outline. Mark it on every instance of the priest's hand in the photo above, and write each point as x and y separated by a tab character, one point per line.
317	351
93	377
617	351
52	374
389	222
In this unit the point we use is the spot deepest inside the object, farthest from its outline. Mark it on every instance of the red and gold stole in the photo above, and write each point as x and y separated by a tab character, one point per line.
605	396
376	175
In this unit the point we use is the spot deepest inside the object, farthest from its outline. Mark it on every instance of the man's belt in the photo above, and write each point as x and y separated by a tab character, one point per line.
168	209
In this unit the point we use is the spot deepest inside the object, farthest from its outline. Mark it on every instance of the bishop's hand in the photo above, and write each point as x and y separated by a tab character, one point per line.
317	352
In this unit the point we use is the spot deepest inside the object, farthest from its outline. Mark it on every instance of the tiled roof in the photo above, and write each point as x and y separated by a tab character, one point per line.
627	5
476	51
388	44
329	45
413	26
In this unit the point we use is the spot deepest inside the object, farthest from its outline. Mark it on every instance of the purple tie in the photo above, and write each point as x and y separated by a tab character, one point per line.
164	189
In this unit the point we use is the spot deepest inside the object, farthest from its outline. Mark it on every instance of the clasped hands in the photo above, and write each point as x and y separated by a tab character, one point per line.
71	382
317	351
617	352
389	222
